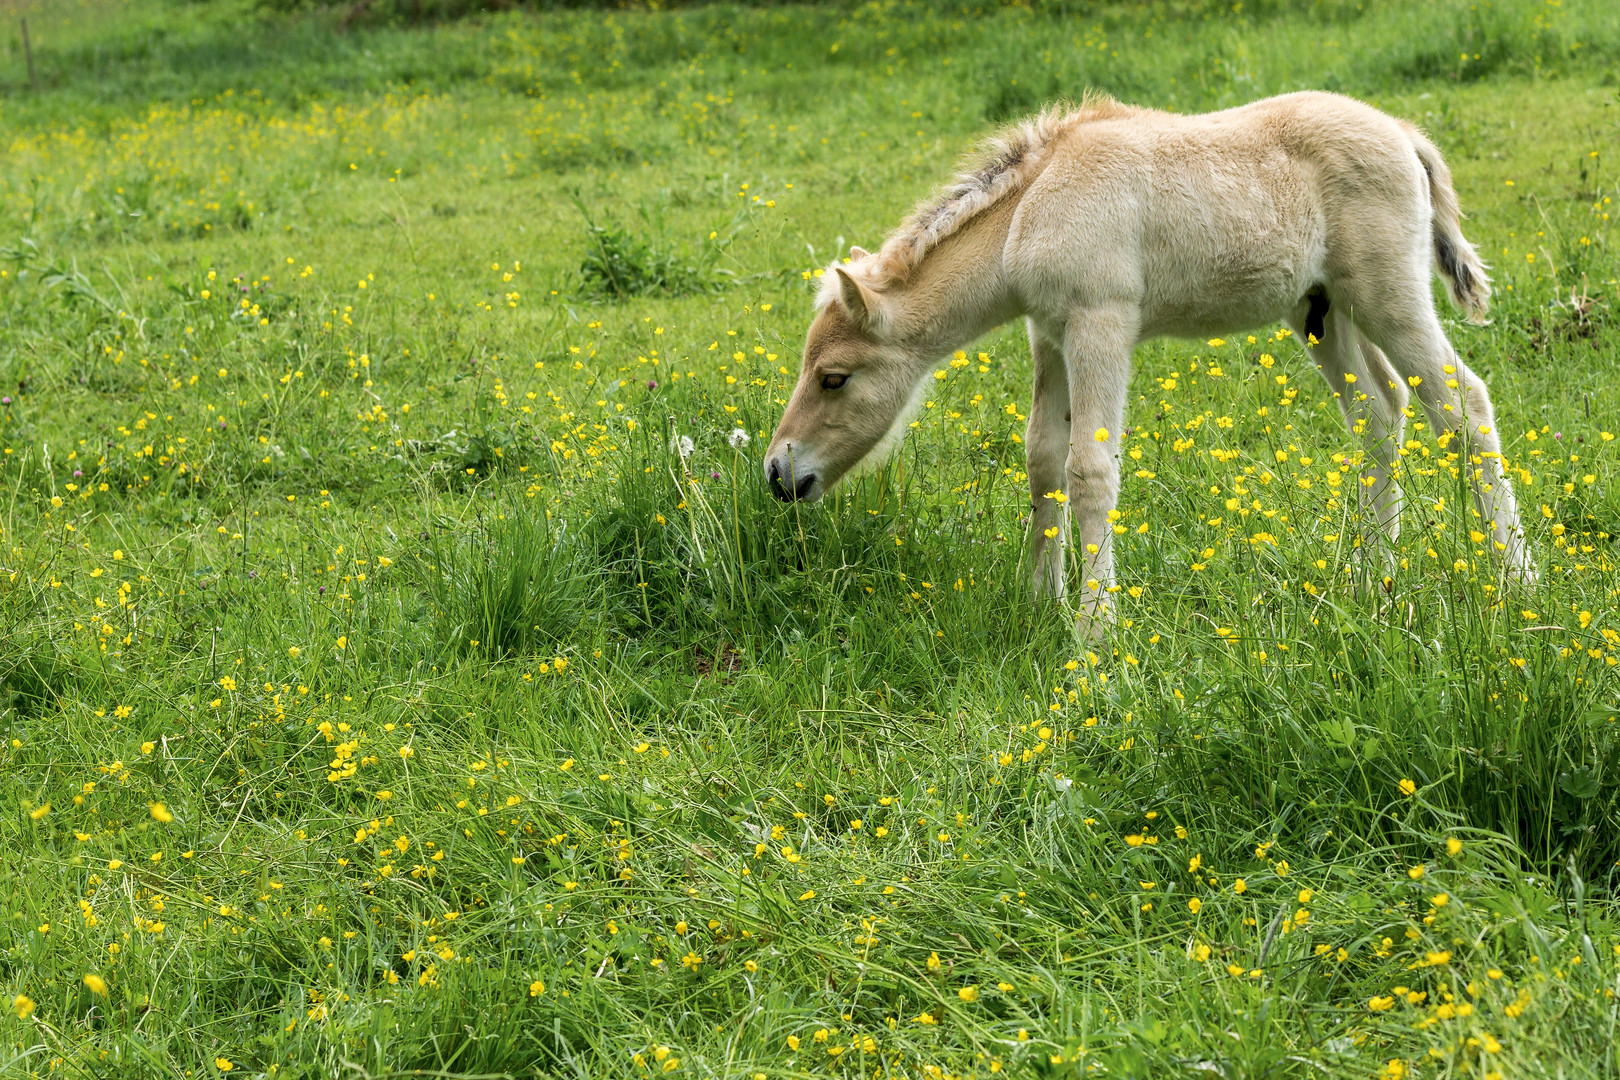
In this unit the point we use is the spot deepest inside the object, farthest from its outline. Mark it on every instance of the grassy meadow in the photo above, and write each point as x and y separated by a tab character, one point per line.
384	691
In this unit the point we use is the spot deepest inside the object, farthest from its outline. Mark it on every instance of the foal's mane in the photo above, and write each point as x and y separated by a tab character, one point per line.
1003	164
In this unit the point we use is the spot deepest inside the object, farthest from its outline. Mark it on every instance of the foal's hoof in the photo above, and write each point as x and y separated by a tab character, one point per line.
1046	588
1372	572
1523	576
1094	617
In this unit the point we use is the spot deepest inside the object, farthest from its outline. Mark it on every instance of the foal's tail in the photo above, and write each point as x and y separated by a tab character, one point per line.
1455	257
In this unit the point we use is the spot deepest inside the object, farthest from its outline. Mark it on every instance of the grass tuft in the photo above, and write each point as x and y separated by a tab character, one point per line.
506	584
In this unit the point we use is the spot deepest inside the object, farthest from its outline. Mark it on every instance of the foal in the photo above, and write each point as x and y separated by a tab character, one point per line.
1107	225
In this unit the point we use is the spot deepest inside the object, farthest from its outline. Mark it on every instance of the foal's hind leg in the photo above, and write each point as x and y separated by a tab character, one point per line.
1046	445
1458	404
1373	400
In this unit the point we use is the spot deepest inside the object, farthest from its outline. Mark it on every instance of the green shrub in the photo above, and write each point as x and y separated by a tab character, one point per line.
619	264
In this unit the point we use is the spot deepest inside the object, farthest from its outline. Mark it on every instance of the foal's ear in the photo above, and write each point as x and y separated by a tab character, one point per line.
862	303
856	252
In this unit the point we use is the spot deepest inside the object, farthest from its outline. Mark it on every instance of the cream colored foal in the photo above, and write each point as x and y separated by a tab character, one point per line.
1106	225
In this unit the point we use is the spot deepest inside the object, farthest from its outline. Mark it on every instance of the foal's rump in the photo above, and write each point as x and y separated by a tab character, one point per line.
1227	220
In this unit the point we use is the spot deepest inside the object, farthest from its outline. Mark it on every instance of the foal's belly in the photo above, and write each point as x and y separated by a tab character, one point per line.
1238	257
1220	297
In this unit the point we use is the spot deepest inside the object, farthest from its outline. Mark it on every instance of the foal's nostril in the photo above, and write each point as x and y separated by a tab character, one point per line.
800	485
776	483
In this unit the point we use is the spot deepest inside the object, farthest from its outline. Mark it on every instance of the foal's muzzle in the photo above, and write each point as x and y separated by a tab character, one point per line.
787	487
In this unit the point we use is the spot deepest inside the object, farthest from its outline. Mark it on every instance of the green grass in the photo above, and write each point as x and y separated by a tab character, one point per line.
339	518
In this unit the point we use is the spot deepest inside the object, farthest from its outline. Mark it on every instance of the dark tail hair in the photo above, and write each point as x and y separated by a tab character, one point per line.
1454	256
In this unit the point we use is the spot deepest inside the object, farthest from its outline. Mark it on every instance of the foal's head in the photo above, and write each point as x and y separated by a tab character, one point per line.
853	390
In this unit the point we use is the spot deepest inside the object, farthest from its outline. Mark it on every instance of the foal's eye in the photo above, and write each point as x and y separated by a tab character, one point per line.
832	382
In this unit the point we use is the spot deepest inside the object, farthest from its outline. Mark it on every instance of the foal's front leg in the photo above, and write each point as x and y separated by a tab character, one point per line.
1046	447
1097	351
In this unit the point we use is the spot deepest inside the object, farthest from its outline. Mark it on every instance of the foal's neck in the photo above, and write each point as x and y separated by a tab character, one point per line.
959	290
